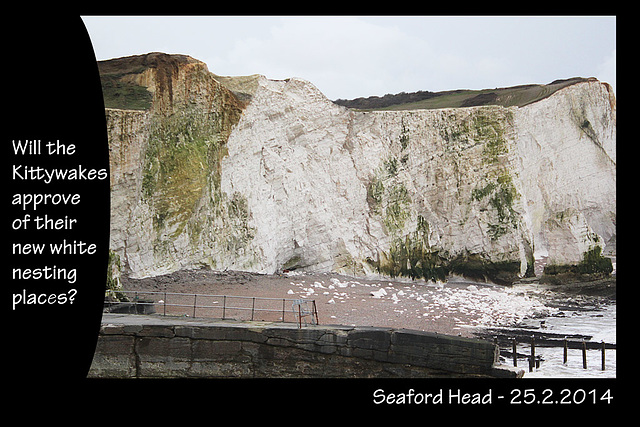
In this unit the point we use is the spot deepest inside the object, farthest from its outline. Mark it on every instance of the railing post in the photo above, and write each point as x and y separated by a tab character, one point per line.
315	310
253	306
584	354
566	351
224	307
195	302
164	304
514	351
603	346
283	310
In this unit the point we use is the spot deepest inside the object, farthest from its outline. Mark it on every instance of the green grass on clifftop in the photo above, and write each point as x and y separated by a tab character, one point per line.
507	97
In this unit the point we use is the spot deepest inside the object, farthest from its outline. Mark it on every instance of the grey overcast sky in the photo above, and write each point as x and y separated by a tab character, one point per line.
352	56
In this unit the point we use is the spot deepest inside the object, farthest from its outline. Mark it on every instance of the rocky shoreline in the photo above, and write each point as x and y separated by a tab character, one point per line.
576	285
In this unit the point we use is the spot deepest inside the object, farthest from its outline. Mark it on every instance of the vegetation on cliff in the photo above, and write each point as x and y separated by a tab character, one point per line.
473	141
506	97
593	263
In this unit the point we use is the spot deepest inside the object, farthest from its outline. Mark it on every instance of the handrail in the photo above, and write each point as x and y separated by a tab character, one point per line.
140	304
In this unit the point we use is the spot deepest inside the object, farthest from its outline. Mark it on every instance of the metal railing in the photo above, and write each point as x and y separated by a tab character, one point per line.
215	306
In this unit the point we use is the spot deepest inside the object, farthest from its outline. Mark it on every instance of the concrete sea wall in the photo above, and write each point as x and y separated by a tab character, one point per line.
146	346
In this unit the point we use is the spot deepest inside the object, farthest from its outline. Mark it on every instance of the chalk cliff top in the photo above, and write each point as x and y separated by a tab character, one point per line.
519	96
123	88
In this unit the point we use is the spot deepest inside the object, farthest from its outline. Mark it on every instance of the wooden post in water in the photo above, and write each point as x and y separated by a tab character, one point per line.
533	353
603	345
584	354
566	350
513	350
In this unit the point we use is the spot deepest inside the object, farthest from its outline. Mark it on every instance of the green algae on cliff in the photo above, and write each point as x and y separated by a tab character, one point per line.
476	140
412	256
593	263
388	197
490	128
182	172
501	195
181	152
113	288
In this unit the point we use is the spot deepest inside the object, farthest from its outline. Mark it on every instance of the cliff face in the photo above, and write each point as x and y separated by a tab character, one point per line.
168	211
291	180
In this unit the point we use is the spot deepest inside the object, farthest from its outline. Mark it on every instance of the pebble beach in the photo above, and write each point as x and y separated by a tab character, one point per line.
455	307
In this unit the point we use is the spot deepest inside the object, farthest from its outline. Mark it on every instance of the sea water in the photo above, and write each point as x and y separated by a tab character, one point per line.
598	322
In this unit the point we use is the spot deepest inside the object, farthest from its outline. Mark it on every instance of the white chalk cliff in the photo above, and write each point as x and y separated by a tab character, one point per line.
291	180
